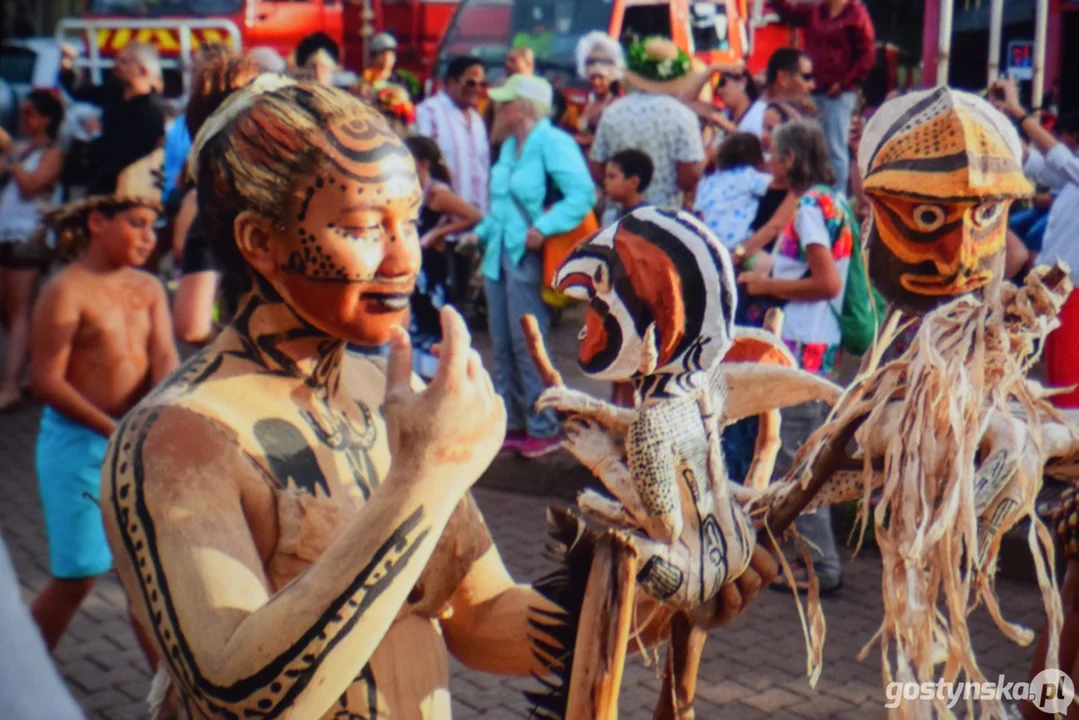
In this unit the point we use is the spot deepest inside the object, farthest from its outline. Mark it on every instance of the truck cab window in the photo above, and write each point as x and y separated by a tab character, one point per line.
643	21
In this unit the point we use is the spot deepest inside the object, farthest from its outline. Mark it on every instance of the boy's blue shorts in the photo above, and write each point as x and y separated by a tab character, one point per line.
69	459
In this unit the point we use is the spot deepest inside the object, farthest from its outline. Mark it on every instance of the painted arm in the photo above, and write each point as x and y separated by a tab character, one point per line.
41	178
164	358
489	628
186	555
55	322
178	515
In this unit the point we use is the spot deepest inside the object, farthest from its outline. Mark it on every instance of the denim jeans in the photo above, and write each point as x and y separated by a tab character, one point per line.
835	117
516	379
796	425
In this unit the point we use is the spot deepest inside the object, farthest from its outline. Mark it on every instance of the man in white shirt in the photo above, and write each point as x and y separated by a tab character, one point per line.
450	118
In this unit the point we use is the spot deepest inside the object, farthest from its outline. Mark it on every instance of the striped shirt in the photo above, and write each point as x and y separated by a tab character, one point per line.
462	137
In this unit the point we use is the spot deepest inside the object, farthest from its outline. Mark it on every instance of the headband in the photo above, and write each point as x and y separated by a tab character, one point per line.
234	105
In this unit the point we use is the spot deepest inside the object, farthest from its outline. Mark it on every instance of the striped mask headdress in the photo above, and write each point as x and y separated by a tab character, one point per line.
940	168
661	295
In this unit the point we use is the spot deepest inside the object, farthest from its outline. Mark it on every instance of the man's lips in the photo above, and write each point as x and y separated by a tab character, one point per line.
389	300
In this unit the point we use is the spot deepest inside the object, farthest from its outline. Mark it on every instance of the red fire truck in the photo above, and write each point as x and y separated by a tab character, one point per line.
180	27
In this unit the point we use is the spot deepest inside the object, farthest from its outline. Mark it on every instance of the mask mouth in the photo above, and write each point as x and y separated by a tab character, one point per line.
958	284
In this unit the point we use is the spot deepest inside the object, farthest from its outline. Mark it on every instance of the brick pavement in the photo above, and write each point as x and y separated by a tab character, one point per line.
753	668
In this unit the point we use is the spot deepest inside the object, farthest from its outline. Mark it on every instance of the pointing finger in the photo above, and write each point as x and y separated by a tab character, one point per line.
456	344
399	366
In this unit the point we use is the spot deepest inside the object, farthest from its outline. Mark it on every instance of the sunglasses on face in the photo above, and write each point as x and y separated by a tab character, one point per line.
473	84
724	79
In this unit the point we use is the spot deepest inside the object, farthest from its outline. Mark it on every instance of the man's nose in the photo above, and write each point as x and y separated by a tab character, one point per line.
402	251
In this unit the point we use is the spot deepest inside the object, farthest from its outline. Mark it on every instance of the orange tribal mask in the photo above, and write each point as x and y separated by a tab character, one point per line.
940	169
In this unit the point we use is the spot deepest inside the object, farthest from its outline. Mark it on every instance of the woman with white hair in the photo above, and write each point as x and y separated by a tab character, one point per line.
601	62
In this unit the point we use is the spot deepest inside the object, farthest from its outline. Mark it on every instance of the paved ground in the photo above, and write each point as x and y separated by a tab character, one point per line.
753	668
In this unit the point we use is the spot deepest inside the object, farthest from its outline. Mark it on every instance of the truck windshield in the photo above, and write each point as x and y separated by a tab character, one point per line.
487	28
165	8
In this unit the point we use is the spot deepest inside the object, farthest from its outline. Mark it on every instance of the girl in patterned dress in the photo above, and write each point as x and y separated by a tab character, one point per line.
444	213
809	272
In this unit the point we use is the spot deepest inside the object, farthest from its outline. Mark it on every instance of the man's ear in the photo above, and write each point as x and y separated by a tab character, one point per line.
254	239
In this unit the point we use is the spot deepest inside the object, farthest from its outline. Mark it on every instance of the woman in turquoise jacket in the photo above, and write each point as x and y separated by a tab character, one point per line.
537	164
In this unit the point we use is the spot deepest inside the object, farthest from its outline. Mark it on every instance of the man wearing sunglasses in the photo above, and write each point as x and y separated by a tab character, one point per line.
451	118
840	41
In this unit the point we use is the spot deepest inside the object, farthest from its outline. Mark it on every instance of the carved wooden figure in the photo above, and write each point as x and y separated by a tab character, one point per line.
661	305
951	435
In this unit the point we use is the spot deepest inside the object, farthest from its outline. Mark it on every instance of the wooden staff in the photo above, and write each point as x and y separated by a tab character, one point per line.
768	442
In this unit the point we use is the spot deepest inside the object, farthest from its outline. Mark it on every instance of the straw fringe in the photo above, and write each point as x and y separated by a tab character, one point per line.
966	367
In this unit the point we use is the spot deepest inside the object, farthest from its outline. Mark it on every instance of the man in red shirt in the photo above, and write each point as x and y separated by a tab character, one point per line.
841	43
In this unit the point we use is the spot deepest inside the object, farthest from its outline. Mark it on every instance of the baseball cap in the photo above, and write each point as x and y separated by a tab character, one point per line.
383	42
534	89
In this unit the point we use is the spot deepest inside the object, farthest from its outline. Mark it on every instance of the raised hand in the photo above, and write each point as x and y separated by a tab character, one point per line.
456	425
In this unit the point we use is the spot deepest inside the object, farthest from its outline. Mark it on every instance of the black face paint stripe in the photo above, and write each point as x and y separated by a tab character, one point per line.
376	179
949	163
726	292
391	148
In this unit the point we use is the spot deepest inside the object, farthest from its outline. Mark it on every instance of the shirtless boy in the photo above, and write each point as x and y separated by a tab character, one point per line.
101	339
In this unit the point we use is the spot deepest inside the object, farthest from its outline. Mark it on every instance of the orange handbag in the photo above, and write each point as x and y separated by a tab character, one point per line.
555	251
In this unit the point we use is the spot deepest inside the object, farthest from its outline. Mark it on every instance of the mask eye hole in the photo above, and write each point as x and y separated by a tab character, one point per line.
928	218
987	213
601	278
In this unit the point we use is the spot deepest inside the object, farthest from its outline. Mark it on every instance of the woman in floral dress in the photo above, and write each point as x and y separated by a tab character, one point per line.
809	273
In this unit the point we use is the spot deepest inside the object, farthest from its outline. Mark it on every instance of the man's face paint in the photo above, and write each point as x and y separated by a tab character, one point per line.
350	254
941	169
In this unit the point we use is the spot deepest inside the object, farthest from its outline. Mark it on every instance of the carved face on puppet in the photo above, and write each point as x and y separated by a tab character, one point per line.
661	296
322	199
940	169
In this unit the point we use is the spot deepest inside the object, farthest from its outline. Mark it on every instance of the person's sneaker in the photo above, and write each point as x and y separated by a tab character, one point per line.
514	440
534	447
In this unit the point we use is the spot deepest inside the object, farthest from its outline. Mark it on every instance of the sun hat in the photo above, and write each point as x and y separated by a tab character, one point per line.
657	65
139	184
532	88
